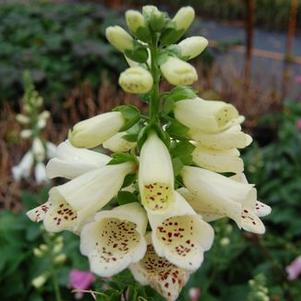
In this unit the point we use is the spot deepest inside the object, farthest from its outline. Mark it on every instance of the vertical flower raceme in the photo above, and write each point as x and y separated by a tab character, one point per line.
115	239
34	122
156	177
172	169
163	276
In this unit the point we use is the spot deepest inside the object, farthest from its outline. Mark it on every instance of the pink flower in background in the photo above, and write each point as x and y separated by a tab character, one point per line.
298	79
80	280
194	294
294	269
298	124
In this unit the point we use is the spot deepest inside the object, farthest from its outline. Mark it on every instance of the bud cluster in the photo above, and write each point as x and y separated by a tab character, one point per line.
172	172
34	120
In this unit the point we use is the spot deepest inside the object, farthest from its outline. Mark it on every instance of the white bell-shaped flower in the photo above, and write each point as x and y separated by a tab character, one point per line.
155	176
38	150
118	144
178	72
209	116
114	239
70	204
218	160
71	161
40	173
230	138
94	131
136	80
193	46
163	276
214	196
181	235
23	169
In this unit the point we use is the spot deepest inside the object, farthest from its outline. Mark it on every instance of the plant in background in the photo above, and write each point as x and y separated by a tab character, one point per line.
145	204
34	122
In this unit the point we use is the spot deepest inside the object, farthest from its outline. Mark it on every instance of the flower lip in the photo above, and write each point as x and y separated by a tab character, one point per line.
115	239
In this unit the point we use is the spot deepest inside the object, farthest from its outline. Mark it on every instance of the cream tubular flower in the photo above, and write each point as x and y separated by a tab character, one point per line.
71	162
40	173
72	203
181	235
193	46
23	169
118	144
178	72
119	38
114	239
134	20
157	272
215	196
218	160
230	138
38	149
183	18
136	80
206	115
92	132
155	176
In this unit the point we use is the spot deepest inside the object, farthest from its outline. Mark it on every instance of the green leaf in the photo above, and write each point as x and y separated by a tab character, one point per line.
183	151
170	36
119	158
138	54
130	113
177	129
126	197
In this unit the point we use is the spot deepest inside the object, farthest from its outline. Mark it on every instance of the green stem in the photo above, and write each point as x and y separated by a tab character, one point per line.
155	94
56	285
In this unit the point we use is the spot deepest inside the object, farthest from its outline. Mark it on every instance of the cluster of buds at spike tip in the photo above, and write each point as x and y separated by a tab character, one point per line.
172	171
33	120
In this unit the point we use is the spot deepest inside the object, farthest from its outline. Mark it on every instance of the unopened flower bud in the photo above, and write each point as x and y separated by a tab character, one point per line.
38	149
58	247
60	259
39	281
118	144
178	72
22	119
225	241
136	80
92	132
134	20
41	123
43	247
183	18
38	252
192	47
150	11
119	38
26	134
44	115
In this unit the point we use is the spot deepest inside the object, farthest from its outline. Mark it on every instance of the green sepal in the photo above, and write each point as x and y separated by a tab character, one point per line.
130	113
177	129
129	179
126	197
138	54
183	151
177	166
171	35
118	158
132	133
143	34
142	137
